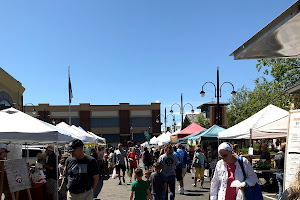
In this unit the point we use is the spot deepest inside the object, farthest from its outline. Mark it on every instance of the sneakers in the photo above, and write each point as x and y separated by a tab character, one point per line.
120	183
182	190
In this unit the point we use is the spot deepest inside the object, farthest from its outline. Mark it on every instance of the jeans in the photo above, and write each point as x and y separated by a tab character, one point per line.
279	177
171	184
159	196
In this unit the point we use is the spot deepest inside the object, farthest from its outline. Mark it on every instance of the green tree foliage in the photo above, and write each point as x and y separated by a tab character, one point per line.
202	121
279	75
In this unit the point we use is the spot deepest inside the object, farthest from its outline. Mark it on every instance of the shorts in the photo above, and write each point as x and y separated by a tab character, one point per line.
118	167
179	174
199	172
51	186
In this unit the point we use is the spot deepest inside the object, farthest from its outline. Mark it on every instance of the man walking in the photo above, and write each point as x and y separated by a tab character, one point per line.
119	160
185	162
82	172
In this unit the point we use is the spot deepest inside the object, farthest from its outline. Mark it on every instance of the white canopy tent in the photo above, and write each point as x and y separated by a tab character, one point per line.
153	141
96	137
164	137
86	138
276	129
18	127
241	130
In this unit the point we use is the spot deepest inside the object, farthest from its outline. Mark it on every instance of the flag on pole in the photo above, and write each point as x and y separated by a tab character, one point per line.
70	88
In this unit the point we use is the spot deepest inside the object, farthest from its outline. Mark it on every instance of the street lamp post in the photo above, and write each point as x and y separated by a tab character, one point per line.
33	110
165	119
218	94
181	106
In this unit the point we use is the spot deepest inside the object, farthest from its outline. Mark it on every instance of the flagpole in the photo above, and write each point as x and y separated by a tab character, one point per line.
70	123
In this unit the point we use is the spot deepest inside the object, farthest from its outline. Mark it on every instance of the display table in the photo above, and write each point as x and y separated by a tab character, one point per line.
38	192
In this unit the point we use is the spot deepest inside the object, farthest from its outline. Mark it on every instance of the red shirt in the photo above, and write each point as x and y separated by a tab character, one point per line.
134	156
230	191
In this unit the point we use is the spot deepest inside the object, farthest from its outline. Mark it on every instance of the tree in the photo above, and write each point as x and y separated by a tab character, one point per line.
202	121
279	75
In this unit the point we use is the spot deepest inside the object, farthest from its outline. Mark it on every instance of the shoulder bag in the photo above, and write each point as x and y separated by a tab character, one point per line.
253	192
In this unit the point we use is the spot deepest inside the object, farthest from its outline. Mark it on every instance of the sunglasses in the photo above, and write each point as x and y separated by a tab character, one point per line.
224	156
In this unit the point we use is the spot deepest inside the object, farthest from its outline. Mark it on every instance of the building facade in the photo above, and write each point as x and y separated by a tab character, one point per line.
209	110
116	123
11	91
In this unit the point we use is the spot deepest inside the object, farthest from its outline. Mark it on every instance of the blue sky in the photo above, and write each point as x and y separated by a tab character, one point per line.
133	51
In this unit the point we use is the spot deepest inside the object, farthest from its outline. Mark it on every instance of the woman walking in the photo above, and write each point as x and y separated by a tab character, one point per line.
227	170
168	162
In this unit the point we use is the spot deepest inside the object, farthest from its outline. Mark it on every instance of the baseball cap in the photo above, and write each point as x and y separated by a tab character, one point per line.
4	150
74	144
50	148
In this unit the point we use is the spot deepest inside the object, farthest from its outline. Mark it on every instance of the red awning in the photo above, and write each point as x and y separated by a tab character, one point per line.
191	129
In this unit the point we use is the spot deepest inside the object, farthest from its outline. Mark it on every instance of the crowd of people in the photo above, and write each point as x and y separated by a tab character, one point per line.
155	177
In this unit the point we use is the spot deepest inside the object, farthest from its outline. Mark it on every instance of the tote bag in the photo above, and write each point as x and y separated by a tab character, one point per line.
253	192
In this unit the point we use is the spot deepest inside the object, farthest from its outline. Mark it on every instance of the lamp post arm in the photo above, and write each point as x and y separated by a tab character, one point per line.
189	104
223	84
175	104
212	84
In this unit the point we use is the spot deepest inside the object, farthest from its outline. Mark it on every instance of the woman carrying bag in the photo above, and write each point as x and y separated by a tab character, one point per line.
228	169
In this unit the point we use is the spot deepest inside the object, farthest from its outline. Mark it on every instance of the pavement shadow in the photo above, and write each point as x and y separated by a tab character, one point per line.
196	191
192	194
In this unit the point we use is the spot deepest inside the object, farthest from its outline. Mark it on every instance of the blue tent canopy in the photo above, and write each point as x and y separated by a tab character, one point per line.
209	134
193	135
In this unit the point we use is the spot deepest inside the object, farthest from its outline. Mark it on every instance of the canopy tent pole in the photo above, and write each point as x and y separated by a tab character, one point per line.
251	146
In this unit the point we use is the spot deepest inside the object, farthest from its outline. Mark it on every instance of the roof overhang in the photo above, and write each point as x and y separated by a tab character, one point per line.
279	39
294	90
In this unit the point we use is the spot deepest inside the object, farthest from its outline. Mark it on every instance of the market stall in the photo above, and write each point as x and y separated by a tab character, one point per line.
20	128
265	116
191	129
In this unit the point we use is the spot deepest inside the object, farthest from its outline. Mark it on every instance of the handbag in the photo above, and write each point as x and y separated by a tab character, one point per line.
253	192
196	163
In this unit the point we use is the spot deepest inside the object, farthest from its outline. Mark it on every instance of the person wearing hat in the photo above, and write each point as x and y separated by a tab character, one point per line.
227	170
82	172
51	172
3	153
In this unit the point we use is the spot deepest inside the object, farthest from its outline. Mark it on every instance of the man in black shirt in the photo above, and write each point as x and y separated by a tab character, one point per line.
82	172
51	172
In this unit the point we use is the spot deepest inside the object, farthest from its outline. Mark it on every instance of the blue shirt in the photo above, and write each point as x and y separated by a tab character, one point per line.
200	156
180	159
185	156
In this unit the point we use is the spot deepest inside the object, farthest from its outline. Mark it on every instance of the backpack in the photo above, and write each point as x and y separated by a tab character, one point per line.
196	162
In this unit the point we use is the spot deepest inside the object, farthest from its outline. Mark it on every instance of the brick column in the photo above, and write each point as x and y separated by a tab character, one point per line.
85	119
156	127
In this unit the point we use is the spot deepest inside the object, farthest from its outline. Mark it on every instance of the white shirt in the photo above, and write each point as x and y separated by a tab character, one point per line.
219	181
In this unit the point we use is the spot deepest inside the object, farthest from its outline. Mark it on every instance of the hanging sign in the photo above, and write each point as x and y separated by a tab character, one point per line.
17	175
292	150
173	139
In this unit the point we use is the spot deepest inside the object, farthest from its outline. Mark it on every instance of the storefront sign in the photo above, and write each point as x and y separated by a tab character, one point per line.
17	175
292	152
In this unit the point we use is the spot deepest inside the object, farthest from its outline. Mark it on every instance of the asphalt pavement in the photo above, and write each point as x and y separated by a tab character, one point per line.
112	191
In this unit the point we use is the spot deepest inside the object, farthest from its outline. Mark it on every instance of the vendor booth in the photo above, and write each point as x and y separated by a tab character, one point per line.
241	130
191	129
276	129
20	128
185	139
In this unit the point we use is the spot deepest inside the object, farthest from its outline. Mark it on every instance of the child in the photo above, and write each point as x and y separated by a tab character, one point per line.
140	187
147	176
158	183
